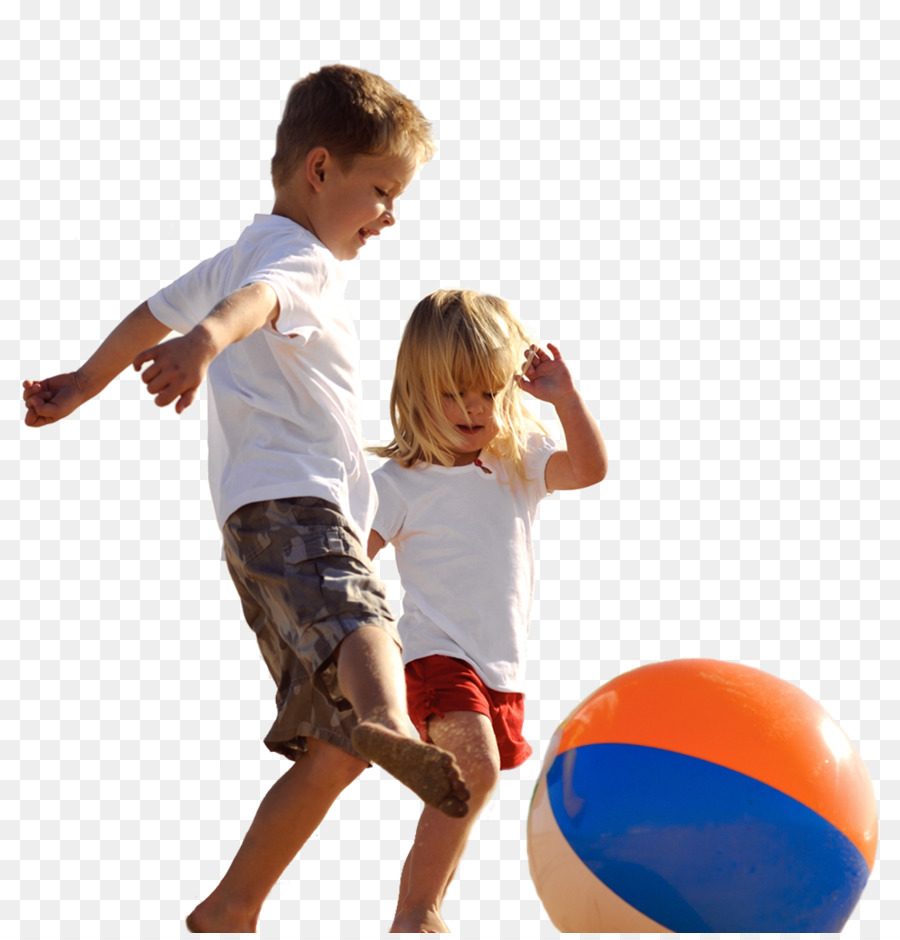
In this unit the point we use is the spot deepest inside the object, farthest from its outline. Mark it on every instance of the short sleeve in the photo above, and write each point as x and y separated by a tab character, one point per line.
186	301
306	287
391	512
539	450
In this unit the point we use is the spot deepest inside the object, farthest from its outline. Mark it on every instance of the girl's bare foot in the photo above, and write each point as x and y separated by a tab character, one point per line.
431	773
419	921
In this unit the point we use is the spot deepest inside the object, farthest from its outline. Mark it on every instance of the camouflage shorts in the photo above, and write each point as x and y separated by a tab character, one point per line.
305	584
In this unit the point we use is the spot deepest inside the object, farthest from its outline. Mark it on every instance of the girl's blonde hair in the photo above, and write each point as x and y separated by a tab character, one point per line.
456	340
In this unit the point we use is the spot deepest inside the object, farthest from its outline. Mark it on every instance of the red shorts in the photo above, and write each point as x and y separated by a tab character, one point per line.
436	685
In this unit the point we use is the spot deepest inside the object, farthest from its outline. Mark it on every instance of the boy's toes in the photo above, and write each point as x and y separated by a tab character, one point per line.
430	772
455	802
458	788
454	806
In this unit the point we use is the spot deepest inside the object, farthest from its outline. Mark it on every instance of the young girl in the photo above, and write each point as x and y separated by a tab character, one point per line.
457	498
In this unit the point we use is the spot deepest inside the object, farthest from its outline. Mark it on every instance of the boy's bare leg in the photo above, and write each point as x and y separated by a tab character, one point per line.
370	673
440	840
288	815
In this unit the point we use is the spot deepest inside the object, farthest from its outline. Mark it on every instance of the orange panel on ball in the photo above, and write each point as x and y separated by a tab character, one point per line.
741	718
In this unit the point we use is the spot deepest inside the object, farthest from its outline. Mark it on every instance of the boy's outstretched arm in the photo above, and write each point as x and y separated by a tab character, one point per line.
179	366
50	399
584	461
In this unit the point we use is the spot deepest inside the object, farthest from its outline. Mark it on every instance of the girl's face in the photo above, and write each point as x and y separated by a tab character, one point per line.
474	423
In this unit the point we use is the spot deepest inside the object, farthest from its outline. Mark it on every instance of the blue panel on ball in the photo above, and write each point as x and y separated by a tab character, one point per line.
701	848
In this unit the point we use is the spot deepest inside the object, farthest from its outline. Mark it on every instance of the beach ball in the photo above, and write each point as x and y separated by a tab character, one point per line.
701	796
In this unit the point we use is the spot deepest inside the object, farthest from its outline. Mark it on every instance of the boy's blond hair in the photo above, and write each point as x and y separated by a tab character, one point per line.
352	113
457	340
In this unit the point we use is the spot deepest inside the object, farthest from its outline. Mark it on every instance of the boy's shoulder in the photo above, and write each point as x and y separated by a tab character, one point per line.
281	236
280	250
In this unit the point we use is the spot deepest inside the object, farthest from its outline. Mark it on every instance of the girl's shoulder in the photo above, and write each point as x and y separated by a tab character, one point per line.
393	473
393	468
536	446
537	442
528	475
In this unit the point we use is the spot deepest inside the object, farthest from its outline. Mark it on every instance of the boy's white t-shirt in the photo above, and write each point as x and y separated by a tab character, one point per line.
464	551
283	402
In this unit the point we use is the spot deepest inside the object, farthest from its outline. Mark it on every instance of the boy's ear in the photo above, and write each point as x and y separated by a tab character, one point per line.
317	161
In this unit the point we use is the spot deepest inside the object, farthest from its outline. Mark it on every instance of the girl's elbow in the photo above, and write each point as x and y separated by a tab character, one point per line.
599	473
592	476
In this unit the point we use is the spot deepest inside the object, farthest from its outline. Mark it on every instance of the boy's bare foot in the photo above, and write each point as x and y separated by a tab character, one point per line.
431	773
204	919
415	921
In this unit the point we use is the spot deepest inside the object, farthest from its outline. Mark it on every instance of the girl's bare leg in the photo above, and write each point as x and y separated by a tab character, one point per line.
288	815
441	840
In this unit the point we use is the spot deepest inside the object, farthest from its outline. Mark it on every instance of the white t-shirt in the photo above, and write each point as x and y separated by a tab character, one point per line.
284	402
463	545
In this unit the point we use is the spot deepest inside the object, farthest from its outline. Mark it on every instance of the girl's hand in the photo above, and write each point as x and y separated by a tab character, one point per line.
546	376
51	399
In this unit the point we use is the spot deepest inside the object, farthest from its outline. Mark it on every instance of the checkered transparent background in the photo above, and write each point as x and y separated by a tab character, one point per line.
697	202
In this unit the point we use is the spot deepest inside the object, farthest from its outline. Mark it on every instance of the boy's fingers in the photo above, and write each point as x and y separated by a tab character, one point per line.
150	374
43	403
34	418
143	357
186	399
35	391
155	381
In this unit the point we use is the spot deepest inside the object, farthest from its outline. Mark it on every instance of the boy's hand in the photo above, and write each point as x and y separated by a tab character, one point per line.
178	368
546	376
51	399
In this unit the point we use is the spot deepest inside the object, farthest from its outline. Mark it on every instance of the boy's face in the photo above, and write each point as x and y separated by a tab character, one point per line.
355	204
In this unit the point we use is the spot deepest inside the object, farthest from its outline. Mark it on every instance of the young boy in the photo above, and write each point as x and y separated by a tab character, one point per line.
264	319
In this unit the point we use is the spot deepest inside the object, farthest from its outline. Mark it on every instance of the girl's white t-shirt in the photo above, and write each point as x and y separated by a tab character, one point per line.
463	545
284	402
